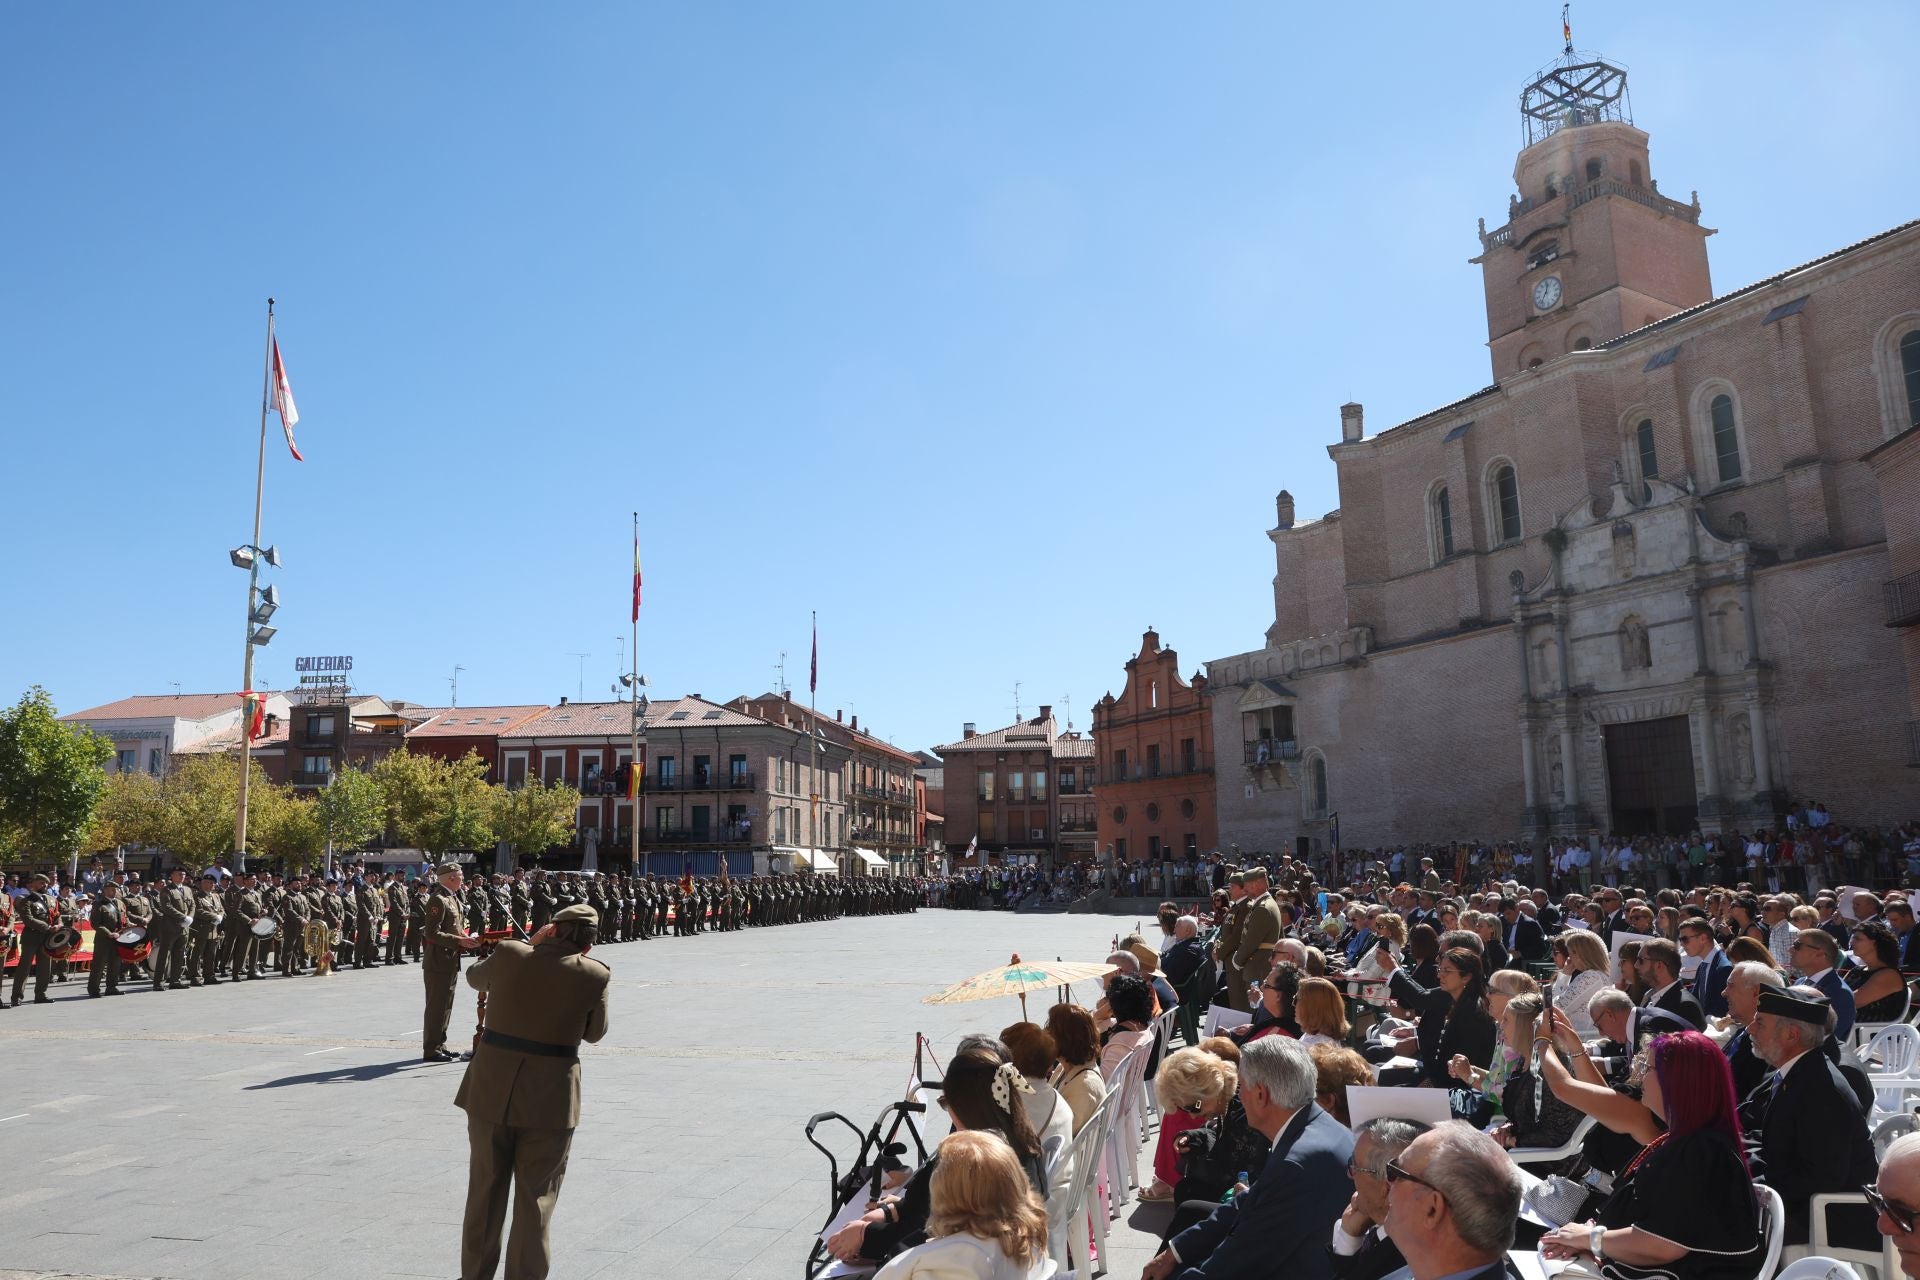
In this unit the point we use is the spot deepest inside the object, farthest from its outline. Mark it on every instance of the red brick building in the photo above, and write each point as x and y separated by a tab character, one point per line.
448	733
1001	795
1154	744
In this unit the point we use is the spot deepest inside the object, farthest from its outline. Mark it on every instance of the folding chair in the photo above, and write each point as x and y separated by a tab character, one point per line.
1524	1156
1773	1228
1893	1050
1074	1218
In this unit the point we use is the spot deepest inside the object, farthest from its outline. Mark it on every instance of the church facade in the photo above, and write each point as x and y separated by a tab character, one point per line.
1639	583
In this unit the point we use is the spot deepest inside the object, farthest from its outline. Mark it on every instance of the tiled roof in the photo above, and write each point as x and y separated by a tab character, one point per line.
476	722
609	719
182	706
832	728
1073	748
1025	736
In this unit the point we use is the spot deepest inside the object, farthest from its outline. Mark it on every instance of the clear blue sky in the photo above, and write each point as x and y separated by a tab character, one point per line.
988	330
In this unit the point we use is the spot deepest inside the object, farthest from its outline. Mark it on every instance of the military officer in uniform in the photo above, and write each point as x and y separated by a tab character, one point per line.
447	941
1227	942
416	917
294	910
35	913
108	917
1259	932
209	910
172	919
396	896
521	1092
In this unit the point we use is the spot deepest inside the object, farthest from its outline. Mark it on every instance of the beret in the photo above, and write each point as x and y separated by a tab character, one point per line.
580	912
1787	1005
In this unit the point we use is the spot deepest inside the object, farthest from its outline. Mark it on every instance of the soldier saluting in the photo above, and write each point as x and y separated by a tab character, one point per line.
521	1092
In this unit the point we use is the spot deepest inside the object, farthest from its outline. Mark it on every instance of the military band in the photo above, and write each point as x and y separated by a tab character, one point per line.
173	936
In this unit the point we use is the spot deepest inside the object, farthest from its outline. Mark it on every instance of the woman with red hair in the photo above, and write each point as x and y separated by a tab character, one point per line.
1684	1207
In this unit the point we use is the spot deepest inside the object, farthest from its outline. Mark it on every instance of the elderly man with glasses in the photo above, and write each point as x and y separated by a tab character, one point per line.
1453	1199
1361	1249
1278	1225
1895	1197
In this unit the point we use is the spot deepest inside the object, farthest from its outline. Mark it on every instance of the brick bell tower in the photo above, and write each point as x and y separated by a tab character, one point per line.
1590	249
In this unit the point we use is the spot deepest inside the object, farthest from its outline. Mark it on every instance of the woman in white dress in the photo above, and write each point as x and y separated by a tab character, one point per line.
1391	930
1581	958
986	1223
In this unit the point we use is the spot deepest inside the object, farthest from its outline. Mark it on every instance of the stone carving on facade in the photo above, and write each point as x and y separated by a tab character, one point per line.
1623	549
1740	753
1556	770
1636	652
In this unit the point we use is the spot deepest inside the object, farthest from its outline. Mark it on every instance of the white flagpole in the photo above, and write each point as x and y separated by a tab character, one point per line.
253	587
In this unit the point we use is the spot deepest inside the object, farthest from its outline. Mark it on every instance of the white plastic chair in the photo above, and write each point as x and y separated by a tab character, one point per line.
1113	1160
1892	1127
1894	1050
1773	1228
1071	1216
1819	1269
1163	1028
1883	1263
1554	1155
1865	1031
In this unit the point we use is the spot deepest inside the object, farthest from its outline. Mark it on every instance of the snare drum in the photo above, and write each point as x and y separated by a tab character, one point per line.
266	927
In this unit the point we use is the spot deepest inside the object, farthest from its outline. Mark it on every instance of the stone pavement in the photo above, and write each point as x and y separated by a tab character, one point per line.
287	1126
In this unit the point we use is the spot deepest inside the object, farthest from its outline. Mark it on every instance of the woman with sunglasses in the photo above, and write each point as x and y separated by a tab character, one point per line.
980	1092
1452	1019
1683	1208
1275	1014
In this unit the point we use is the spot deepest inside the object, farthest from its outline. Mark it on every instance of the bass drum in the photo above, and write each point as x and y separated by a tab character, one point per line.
131	937
134	954
64	942
266	927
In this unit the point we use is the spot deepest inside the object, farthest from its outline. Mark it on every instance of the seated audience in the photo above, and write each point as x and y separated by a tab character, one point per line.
984	1221
1278	1225
1275	1016
1453	1199
1077	1077
1187	956
976	1078
1712	968
1816	955
1451	1018
1895	1197
1361	1249
1743	1001
1423	954
1338	1068
1811	1130
1370	979
1879	991
1212	1155
1581	959
1184	1096
1032	1050
1321	1012
1743	949
1659	971
1131	1001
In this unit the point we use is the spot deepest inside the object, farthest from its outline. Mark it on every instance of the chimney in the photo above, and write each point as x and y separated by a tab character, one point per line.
856	723
966	731
1352	422
563	699
1283	509
836	716
1046	712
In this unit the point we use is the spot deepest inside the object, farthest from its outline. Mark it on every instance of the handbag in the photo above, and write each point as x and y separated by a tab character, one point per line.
1557	1200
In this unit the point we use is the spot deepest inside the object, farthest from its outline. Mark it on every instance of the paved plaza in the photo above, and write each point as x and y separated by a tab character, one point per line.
287	1126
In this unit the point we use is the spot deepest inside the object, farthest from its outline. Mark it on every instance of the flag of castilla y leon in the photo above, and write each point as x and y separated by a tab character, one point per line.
283	401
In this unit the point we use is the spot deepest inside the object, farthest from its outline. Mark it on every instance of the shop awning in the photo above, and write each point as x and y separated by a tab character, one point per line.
869	857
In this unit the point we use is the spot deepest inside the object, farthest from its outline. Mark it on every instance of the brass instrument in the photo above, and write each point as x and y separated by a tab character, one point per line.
315	937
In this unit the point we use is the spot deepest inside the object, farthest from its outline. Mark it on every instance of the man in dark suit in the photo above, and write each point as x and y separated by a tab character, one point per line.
1361	1249
1453	1198
1545	912
1743	990
1812	1135
1278	1225
1815	955
1710	978
1525	940
1900	920
1659	968
1185	957
1616	920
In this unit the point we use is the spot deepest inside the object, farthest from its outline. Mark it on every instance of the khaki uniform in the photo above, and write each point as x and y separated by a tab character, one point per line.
108	917
1254	955
1225	946
35	913
521	1094
172	919
446	928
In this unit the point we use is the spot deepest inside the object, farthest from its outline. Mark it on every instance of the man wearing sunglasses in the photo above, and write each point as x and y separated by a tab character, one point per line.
1895	1198
1453	1198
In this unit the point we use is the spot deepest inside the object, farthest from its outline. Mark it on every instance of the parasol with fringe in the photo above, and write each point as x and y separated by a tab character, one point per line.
1017	978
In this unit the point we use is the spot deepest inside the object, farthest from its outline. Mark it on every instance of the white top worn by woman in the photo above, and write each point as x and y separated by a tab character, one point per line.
1370	967
1050	1117
1118	1046
960	1257
1571	997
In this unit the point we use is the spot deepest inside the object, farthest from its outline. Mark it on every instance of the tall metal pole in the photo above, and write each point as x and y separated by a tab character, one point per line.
633	695
253	586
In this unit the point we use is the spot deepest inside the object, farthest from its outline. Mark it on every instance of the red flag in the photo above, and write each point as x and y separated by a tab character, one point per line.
636	574
253	709
283	401
813	670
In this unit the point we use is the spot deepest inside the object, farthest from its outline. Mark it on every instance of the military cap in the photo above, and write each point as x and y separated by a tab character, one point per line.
38	877
1236	878
446	868
210	875
1787	1005
1255	873
579	913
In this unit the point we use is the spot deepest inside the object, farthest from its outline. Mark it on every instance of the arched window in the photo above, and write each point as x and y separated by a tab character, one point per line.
1503	502
1910	375
1440	522
1643	449
1583	343
1593	169
1553	187
1726	438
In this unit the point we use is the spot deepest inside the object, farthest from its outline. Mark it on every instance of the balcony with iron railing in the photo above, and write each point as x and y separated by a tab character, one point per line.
1200	762
1903	600
1268	750
663	836
1070	827
712	780
1647	196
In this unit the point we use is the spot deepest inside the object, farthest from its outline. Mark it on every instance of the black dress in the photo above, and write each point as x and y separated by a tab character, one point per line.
1885	1009
1695	1192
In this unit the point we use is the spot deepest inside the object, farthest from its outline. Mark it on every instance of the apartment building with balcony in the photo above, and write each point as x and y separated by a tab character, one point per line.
1155	771
449	733
329	729
147	730
1000	796
717	783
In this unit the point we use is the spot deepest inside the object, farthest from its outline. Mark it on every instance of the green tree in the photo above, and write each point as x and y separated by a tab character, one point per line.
294	830
199	799
131	811
352	809
51	778
535	817
437	805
